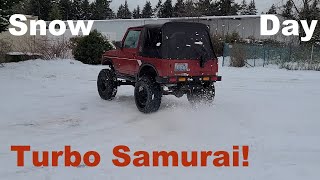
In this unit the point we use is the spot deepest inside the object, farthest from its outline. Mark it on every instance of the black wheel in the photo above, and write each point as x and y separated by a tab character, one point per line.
147	94
107	84
202	96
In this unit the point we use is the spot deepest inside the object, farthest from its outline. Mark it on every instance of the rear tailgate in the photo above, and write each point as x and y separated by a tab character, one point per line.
191	68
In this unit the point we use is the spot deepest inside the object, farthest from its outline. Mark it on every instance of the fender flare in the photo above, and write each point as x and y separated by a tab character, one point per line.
144	65
107	61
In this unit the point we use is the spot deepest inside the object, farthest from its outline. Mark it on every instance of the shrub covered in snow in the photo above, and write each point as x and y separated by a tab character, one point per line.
5	47
89	49
219	40
218	44
238	56
51	49
6	12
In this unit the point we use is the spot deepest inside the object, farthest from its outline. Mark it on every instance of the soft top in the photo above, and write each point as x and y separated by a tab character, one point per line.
173	24
177	40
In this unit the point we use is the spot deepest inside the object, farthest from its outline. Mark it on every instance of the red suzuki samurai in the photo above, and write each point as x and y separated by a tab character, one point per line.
174	58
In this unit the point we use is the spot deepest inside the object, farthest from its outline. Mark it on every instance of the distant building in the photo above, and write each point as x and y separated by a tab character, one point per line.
246	25
20	43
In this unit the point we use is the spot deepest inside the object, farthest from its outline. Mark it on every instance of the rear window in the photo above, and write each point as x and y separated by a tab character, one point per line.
188	43
152	43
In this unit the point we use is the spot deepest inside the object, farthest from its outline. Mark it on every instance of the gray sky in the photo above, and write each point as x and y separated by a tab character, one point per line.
262	5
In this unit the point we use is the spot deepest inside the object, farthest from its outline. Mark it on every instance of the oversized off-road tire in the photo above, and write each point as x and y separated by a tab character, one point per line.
147	94
203	96
107	84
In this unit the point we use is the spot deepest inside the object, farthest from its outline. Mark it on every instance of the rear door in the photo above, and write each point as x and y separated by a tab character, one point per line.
192	68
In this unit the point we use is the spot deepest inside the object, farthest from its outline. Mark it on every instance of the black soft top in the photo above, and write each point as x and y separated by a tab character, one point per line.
172	24
176	40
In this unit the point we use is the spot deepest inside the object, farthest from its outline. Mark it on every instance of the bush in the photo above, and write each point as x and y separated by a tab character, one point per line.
217	42
238	56
89	49
232	38
52	48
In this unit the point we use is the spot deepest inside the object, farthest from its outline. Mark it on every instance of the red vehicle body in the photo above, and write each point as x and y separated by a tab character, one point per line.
180	59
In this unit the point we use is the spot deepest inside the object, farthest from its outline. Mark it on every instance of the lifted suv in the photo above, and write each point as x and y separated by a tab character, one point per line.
174	58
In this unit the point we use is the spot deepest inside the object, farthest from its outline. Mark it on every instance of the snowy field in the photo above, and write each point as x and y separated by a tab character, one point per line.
50	104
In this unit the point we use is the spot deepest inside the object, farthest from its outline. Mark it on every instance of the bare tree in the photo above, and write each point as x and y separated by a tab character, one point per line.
306	10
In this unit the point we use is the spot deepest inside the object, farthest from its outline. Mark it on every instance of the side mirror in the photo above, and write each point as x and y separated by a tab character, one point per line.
118	44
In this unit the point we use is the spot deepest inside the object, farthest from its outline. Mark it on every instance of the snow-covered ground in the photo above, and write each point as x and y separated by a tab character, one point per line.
50	104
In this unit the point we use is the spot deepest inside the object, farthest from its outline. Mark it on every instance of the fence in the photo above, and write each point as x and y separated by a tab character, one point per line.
302	57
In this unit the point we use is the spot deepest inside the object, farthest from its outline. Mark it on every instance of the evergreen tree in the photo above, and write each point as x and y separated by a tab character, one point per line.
179	9
23	7
214	8
136	13
235	9
65	9
5	13
287	11
124	12
55	13
309	11
252	8
227	8
76	9
86	10
315	14
127	13
147	10
89	49
120	12
204	7
156	10
190	9
272	10
243	8
166	10
315	10
41	8
101	10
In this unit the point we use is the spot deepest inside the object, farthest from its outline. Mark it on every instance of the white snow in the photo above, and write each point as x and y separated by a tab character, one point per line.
50	104
198	43
23	53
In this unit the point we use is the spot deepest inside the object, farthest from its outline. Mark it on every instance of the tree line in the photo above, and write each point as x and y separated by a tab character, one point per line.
100	9
187	8
66	9
300	10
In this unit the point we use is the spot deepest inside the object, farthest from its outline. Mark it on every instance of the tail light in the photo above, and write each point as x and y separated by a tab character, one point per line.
182	79
206	78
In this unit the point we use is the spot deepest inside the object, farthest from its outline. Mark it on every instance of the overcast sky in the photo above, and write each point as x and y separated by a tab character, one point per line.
262	5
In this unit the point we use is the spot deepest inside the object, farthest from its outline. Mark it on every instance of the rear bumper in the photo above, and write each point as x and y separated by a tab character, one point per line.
187	79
